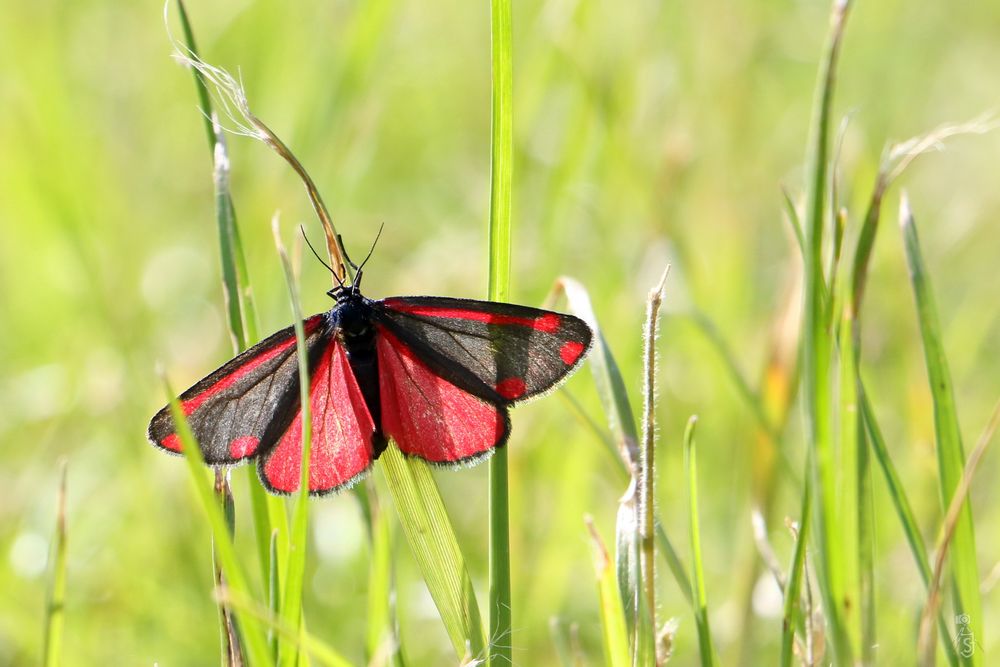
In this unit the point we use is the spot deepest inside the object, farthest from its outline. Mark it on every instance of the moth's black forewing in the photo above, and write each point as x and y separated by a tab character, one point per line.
481	344
254	395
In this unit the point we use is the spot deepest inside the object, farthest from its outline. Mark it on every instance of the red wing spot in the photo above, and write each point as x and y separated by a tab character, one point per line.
511	388
548	323
243	446
570	352
171	442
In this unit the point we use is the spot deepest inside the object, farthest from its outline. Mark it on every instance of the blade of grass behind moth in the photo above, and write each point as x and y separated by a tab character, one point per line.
618	410
501	182
705	646
55	606
291	600
613	627
236	580
818	347
240	307
901	503
432	541
950	453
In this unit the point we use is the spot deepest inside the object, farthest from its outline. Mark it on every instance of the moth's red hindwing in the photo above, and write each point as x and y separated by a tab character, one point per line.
428	416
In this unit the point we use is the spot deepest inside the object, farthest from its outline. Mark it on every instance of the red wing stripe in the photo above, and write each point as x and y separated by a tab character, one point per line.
195	402
342	431
548	322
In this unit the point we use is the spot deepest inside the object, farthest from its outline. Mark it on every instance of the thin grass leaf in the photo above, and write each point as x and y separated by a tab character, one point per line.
303	642
792	616
705	648
240	307
55	604
291	600
613	627
647	469
967	644
236	580
432	541
818	348
901	504
950	453
792	216
501	181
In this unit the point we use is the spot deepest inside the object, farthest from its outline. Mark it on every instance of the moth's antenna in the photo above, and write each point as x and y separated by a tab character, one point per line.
377	236
328	267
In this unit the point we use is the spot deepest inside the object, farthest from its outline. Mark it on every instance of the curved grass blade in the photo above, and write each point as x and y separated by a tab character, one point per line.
432	541
267	511
950	453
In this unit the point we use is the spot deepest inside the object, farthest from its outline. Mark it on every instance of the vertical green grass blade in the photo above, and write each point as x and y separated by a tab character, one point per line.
305	643
792	615
501	176
381	639
291	599
240	308
950	453
236	580
55	605
904	511
613	627
432	542
818	349
697	571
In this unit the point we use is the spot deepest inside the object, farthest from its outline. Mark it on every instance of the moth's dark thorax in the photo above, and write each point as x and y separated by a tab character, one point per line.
356	331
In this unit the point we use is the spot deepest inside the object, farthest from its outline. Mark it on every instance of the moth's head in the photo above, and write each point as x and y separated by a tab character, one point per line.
342	293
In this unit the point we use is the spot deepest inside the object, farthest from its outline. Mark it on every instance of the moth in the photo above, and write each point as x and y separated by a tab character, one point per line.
436	375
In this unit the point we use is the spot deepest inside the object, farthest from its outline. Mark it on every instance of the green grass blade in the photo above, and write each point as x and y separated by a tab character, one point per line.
236	580
904	510
950	453
55	605
501	179
291	599
792	614
240	308
818	348
432	541
697	571
613	627
381	640
304	643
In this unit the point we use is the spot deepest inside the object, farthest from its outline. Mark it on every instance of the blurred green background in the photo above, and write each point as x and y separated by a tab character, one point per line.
645	133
